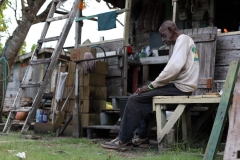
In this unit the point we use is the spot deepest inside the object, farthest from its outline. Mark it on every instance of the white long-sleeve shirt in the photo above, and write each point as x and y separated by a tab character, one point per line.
182	68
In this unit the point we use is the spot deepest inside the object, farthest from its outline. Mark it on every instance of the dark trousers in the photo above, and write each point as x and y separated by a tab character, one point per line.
138	107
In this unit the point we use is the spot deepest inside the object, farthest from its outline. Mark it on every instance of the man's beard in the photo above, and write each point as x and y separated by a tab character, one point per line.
168	43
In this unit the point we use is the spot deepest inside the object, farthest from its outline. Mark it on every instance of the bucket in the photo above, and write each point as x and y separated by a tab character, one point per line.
39	115
45	116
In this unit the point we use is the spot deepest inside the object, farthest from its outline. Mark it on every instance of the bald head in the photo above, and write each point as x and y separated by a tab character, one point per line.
170	24
169	32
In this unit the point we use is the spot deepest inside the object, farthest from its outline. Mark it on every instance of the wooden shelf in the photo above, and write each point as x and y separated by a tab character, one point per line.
154	60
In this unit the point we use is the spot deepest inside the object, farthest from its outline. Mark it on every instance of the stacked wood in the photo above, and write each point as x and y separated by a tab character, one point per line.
8	102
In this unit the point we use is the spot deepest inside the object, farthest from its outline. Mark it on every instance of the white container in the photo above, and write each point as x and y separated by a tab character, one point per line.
102	38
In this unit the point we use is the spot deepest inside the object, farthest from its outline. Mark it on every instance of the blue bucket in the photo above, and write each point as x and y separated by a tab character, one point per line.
45	116
39	115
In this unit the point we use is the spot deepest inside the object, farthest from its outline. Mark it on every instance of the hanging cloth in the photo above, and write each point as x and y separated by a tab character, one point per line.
107	21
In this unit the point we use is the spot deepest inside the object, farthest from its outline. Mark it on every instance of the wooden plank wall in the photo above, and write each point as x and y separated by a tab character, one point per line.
205	40
228	49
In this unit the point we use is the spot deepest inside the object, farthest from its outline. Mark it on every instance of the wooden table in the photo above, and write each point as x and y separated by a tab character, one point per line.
160	106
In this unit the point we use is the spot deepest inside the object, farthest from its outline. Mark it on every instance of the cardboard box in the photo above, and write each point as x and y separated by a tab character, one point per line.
66	117
90	119
66	92
63	68
94	93
78	53
71	67
93	106
70	81
71	105
101	67
93	79
66	105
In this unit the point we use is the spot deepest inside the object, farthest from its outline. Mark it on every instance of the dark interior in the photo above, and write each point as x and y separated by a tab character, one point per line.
227	14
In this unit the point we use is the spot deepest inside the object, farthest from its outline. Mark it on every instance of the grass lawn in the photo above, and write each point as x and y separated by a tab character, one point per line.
50	147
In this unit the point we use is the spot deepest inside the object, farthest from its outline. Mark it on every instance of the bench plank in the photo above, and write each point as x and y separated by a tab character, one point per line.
183	100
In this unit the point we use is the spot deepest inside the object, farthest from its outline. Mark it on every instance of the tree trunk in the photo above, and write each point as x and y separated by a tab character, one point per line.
15	42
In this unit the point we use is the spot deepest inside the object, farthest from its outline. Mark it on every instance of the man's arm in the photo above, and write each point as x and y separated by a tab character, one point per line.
175	64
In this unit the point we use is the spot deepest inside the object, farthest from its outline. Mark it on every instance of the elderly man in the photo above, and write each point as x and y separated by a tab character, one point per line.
179	77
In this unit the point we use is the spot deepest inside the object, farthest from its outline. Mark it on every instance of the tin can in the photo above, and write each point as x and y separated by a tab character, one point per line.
39	115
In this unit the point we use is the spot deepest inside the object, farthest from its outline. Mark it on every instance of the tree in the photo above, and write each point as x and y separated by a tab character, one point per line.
33	47
29	10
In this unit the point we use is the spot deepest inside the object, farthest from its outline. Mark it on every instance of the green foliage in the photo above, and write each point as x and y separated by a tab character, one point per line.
23	49
3	23
33	47
1	48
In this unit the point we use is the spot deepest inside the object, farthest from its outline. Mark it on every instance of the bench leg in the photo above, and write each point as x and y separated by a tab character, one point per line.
161	121
186	123
170	123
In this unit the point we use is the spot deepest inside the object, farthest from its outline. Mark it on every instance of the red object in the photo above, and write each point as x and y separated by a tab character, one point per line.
129	50
82	5
21	116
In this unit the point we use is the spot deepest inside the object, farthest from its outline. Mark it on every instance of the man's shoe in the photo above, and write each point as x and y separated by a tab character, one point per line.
142	143
117	144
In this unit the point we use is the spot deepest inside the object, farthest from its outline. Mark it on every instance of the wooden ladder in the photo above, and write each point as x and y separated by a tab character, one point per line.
34	61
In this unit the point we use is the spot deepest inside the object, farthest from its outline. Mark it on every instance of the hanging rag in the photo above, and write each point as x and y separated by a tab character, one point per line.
107	21
89	66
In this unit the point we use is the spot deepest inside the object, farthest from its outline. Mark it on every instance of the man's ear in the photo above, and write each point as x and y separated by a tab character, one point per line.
170	29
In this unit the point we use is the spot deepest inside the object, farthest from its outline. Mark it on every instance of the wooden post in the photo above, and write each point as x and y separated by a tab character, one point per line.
128	5
161	121
77	127
145	76
135	78
170	123
174	11
220	119
232	148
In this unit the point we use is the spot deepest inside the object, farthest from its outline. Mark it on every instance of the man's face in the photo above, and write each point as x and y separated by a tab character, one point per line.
167	36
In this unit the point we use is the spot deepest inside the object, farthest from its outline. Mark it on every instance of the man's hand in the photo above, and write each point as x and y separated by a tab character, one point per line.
141	90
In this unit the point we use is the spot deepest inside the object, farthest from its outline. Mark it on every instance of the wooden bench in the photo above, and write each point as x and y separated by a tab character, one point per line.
160	106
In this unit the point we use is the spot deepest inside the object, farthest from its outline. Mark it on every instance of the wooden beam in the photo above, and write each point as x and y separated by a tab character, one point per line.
154	60
186	100
220	119
145	74
232	147
135	79
172	120
128	5
161	121
77	125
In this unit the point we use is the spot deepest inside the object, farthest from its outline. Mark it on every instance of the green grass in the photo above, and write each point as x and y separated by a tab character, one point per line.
67	148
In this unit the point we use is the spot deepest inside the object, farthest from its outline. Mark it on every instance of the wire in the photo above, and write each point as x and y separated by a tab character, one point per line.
102	49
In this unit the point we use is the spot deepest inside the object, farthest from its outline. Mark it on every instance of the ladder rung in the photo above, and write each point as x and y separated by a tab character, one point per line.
61	12
48	39
57	18
21	109
40	61
30	85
